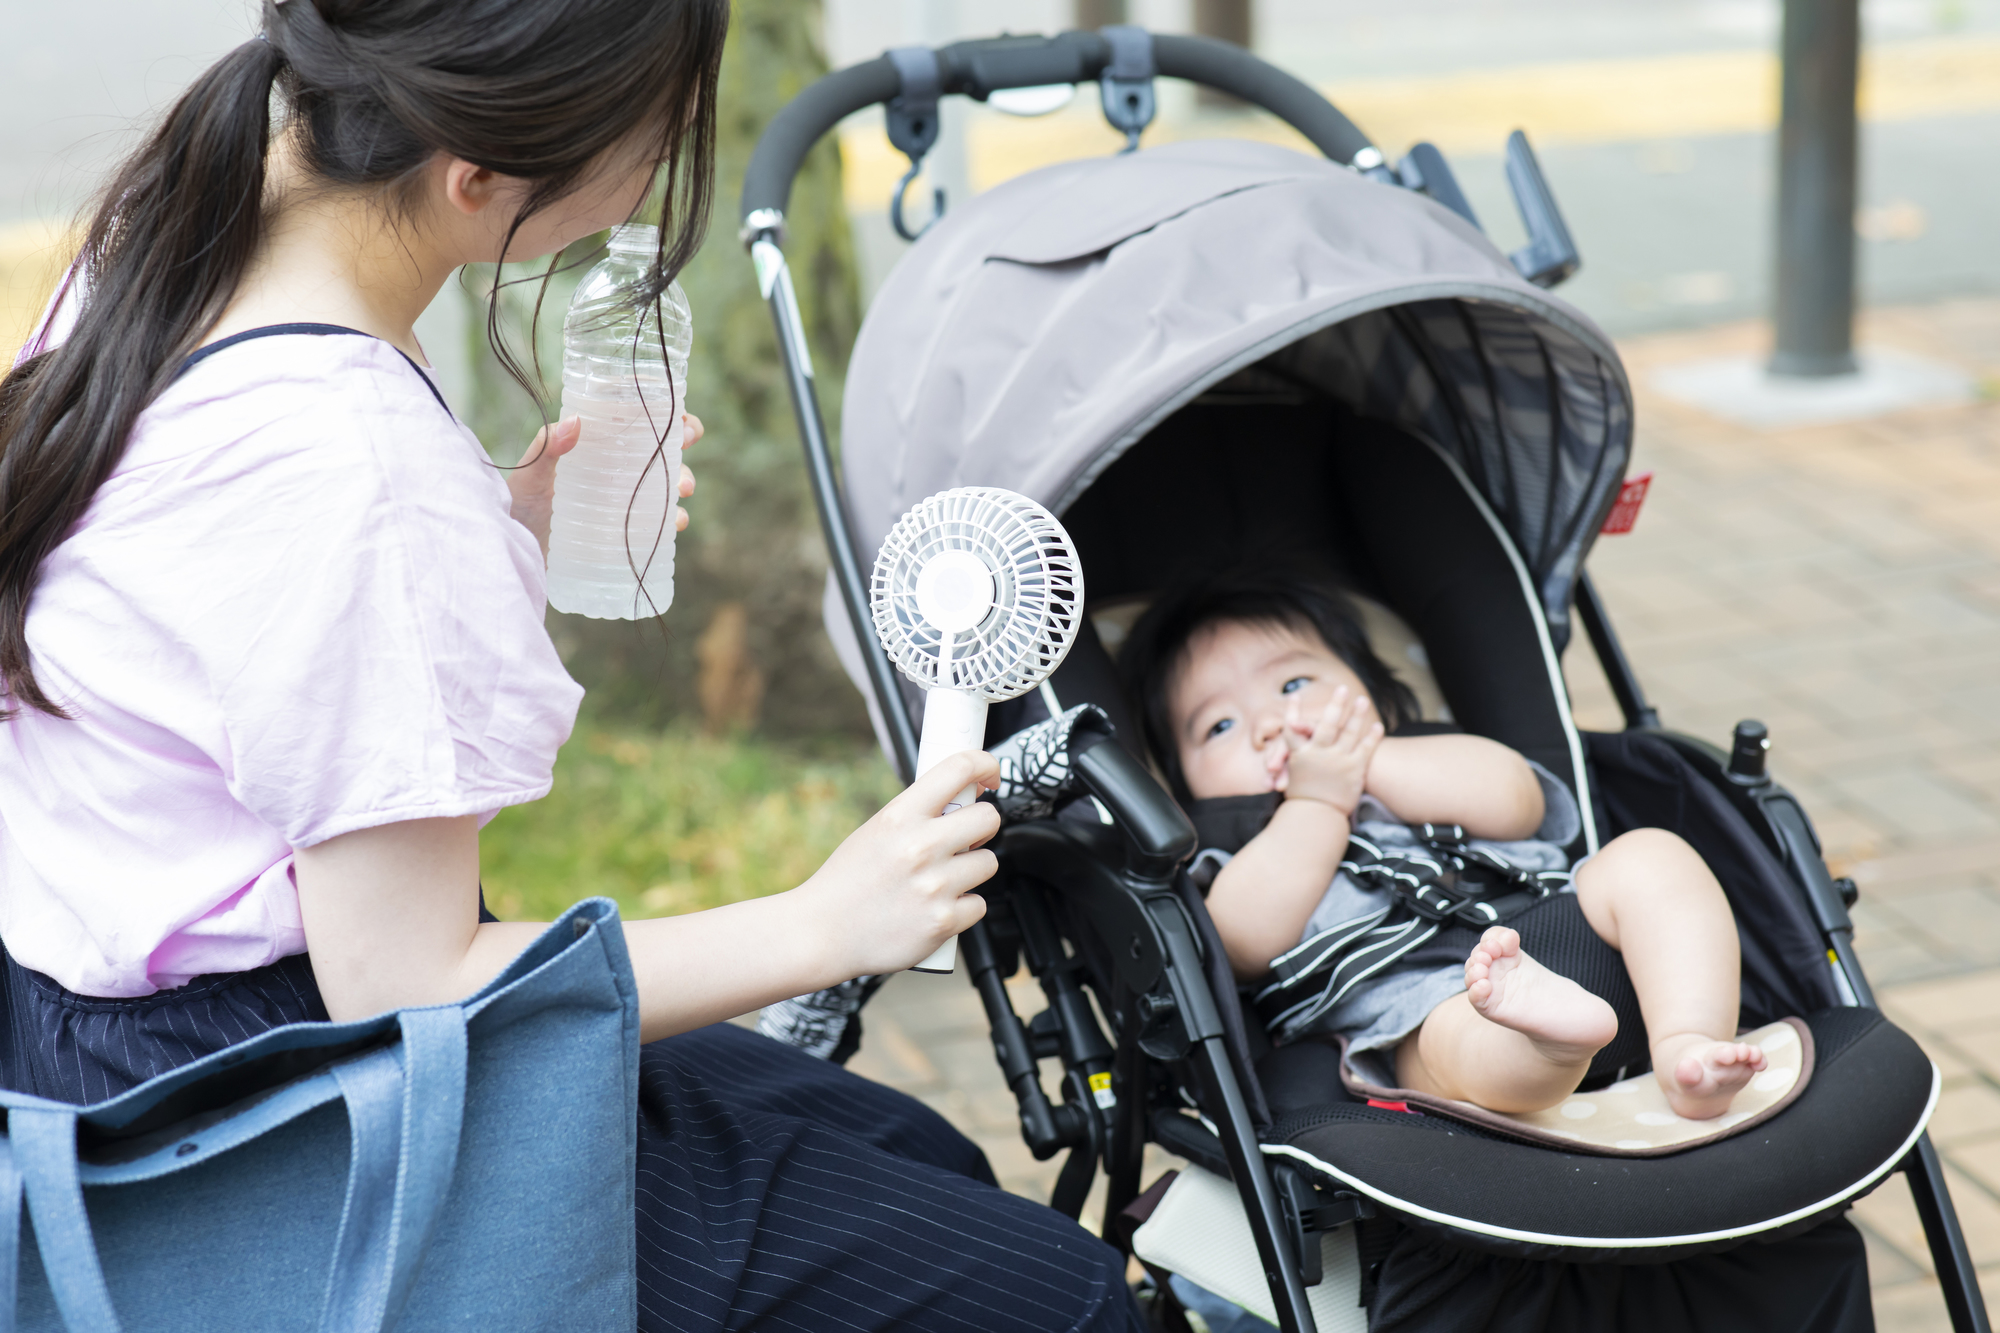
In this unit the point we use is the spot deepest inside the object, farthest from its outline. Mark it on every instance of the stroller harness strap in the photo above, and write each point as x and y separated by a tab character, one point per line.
1448	882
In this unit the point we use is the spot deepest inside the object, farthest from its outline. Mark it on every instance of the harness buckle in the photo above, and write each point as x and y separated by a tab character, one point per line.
1435	901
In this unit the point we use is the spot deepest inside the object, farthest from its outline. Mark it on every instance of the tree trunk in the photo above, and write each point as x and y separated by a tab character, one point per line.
1226	21
1094	14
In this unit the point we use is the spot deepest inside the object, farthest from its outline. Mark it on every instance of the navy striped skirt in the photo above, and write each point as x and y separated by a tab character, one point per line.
775	1191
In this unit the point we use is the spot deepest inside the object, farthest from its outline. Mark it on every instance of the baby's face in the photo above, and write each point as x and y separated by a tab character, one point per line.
1229	700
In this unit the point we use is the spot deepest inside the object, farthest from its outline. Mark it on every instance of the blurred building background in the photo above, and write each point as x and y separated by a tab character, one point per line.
1654	119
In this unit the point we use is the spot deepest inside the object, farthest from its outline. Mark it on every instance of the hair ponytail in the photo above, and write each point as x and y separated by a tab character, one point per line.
536	90
178	225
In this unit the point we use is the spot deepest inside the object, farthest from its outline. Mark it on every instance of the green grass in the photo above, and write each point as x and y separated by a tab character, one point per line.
675	822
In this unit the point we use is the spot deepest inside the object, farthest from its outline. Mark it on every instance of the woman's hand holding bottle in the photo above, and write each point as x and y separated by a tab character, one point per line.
533	483
899	886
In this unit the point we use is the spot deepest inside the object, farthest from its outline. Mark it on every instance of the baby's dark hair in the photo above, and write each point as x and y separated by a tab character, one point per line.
1263	594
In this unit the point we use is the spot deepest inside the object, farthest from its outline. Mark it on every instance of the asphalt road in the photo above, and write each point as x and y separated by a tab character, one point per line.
1679	232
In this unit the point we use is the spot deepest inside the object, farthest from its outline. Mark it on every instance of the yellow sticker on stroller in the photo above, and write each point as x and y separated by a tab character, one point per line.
1100	1091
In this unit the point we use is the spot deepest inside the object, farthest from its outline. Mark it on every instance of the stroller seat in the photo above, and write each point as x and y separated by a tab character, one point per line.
1871	1094
1380	504
1191	351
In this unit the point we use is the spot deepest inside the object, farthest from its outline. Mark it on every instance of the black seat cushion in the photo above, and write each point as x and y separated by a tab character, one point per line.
1871	1092
1812	1282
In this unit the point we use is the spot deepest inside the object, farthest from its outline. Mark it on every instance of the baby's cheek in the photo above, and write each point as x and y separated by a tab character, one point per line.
1216	770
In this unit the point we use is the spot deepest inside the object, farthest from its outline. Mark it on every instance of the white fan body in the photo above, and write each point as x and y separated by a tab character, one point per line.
977	595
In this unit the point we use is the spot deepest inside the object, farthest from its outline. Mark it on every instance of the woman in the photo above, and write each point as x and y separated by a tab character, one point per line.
271	645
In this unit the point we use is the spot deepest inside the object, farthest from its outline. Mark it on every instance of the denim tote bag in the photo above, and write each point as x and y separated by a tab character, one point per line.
462	1166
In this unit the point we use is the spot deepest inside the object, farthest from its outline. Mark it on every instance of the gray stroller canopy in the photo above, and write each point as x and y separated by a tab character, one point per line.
1041	329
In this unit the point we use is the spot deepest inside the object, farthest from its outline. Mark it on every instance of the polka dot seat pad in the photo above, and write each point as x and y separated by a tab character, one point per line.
1630	1118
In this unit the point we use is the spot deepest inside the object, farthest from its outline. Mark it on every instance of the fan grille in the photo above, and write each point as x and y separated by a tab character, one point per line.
1037	593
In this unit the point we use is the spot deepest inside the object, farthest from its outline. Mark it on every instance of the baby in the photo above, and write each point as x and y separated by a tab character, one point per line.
1265	683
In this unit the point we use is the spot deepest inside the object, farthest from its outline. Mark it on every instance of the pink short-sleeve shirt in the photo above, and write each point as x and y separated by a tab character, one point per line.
298	608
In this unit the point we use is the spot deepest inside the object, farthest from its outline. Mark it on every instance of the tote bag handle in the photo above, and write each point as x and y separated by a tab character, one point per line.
404	1116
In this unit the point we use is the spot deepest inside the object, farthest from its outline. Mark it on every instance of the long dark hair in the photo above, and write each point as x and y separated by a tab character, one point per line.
1261	593
540	90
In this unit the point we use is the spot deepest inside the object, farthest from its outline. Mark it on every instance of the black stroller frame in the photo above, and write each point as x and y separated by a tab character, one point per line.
1151	967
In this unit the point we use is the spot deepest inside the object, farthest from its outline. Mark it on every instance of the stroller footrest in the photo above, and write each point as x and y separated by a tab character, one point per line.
1870	1097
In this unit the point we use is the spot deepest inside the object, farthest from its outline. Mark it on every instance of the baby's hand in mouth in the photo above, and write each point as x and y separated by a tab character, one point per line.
1278	765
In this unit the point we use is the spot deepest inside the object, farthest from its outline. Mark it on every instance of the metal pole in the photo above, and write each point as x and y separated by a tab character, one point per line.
1618	671
774	277
1953	1259
1814	314
1227	21
1094	14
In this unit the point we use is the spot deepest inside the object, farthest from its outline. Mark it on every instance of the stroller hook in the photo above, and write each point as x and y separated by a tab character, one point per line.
896	204
913	127
1127	81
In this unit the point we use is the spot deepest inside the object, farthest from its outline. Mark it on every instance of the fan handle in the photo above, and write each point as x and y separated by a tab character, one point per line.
953	721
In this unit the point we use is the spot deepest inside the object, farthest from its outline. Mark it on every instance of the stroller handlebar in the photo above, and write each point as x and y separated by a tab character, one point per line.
1233	70
977	69
1158	834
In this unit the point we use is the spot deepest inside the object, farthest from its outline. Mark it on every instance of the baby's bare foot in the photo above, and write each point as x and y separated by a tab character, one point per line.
1565	1022
1701	1075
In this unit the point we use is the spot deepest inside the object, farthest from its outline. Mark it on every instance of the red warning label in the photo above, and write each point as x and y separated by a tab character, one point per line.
1625	512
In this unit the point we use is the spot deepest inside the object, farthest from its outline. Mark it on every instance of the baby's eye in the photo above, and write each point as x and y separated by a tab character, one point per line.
1219	728
1295	684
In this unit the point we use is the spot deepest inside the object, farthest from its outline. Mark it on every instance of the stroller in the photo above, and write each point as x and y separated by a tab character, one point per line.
1331	351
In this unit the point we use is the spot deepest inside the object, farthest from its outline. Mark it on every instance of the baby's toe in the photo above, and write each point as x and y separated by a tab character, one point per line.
1499	941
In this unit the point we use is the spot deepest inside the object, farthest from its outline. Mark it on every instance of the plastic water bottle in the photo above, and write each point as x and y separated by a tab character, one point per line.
611	539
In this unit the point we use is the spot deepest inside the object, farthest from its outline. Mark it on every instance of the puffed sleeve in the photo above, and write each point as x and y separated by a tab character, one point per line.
371	625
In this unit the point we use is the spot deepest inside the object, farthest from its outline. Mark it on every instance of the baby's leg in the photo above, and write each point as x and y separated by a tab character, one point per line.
1651	897
1519	1039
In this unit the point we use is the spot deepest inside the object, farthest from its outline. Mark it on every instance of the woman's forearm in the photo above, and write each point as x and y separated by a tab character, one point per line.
389	913
391	918
1478	784
706	967
692	970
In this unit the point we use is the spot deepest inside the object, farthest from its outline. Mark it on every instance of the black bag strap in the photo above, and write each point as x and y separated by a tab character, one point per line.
201	354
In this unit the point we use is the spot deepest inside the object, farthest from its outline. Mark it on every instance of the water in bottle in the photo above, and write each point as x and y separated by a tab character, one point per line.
611	539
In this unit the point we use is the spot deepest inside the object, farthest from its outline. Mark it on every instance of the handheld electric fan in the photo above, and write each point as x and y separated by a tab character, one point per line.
977	594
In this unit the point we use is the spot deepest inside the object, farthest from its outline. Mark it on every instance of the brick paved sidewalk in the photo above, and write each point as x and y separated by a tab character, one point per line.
1842	583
